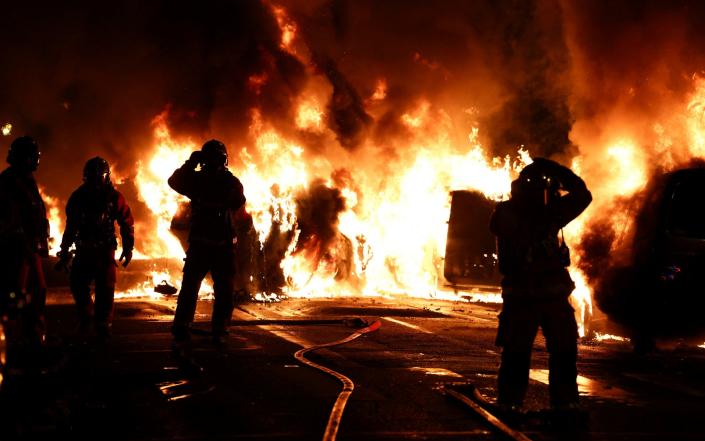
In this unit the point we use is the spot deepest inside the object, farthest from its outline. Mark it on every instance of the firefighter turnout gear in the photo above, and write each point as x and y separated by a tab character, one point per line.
215	195
536	283
24	233
91	213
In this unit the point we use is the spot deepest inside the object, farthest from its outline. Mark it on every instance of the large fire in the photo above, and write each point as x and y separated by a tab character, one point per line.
388	237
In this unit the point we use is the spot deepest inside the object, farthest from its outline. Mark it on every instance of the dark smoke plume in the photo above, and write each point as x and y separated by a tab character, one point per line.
317	211
346	113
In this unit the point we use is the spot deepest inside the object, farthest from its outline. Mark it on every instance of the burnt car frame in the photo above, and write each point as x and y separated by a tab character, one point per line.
660	294
471	249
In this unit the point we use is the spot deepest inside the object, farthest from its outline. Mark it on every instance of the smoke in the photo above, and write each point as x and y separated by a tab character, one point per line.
346	113
317	210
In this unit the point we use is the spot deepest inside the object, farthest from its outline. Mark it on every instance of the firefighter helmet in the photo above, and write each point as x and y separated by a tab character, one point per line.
215	153
96	172
24	153
535	180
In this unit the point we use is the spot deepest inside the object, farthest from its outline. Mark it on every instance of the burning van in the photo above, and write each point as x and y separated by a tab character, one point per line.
471	251
661	292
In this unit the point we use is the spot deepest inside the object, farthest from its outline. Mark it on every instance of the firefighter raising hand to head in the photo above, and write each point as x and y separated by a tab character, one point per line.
536	283
216	195
91	213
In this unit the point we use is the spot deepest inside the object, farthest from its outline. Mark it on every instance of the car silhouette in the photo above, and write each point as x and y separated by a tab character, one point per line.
661	291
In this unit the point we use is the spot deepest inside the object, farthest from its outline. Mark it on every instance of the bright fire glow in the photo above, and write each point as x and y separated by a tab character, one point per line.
380	92
309	116
287	27
581	299
56	222
394	236
151	180
609	337
6	129
418	117
627	165
696	118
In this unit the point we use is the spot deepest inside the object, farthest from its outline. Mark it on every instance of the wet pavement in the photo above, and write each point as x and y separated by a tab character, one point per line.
252	387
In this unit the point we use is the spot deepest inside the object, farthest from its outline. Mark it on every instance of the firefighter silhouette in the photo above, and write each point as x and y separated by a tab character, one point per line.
91	213
216	195
24	232
536	283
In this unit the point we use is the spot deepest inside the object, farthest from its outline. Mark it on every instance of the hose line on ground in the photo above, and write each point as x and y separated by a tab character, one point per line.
336	413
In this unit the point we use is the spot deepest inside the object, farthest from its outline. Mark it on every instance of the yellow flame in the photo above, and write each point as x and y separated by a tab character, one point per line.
418	117
56	222
151	181
6	129
609	337
581	299
309	116
380	92
696	118
628	165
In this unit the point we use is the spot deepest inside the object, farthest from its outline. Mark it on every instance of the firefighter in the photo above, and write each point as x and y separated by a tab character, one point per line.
24	233
91	213
215	196
536	283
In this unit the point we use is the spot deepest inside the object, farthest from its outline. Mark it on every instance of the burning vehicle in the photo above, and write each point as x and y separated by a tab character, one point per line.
659	293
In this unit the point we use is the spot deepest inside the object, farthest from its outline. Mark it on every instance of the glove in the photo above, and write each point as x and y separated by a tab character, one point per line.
64	263
195	158
127	256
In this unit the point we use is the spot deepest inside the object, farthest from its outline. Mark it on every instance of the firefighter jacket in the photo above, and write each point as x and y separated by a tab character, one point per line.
91	214
23	221
532	258
215	196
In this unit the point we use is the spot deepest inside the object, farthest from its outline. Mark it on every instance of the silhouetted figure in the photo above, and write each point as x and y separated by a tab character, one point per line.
91	213
536	283
24	232
215	196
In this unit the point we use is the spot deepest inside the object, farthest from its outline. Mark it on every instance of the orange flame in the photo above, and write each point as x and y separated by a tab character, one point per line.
380	92
56	222
287	27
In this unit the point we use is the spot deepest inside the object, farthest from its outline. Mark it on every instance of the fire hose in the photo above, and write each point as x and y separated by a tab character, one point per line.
337	412
476	404
348	385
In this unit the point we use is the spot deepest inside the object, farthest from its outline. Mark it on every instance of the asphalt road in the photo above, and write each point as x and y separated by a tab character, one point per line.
135	388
